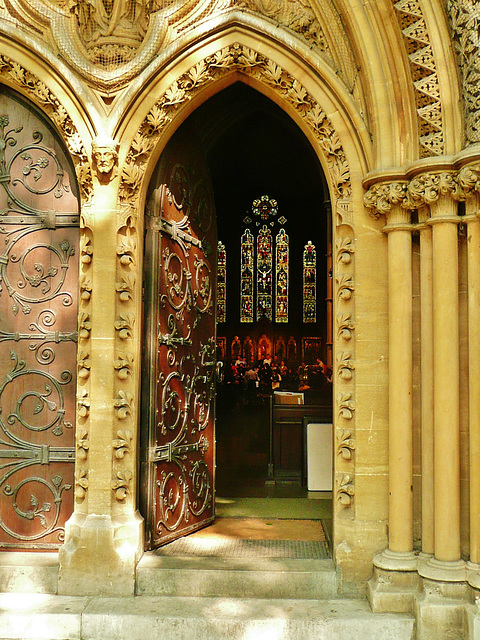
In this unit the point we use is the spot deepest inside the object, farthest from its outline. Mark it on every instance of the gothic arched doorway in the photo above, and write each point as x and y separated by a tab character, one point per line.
252	148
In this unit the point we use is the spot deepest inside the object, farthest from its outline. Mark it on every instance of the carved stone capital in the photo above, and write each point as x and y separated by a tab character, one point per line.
427	188
381	197
469	179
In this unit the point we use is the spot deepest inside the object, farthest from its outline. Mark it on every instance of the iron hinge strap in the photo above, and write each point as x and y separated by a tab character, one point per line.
43	453
167	452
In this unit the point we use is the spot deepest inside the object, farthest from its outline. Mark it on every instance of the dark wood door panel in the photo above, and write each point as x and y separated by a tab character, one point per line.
39	236
178	435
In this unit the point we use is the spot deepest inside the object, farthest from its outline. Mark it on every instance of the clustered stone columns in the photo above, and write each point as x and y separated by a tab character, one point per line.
404	579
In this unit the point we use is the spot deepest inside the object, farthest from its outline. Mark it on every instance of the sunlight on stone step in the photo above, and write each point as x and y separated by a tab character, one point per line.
266	630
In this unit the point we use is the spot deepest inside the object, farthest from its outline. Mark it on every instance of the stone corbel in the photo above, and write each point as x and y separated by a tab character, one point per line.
105	159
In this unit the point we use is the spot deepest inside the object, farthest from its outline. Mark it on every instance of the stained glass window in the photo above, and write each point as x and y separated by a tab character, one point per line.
264	210
221	283
264	273
281	277
246	277
309	283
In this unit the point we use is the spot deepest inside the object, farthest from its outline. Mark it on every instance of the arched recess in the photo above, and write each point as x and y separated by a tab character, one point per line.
40	219
341	143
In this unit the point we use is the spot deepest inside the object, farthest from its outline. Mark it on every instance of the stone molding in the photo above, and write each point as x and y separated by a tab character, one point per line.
425	77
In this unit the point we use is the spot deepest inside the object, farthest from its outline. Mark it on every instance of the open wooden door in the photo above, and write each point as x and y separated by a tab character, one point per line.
178	393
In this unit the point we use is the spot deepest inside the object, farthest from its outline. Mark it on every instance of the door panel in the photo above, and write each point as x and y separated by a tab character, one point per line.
178	449
39	235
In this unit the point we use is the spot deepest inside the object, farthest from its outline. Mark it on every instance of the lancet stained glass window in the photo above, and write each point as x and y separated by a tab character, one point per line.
281	277
246	277
309	283
264	273
221	283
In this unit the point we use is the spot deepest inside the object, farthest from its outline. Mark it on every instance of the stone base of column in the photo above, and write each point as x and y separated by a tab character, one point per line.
100	555
472	612
395	560
473	575
440	610
442	571
393	591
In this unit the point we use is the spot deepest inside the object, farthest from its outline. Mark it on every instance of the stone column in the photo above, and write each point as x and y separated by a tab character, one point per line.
399	556
469	178
446	564
426	364
104	536
400	541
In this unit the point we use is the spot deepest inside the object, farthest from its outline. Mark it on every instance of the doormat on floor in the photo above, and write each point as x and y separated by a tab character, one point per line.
251	528
238	548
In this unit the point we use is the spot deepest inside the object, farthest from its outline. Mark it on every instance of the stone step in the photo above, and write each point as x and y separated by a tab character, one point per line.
236	577
47	617
28	572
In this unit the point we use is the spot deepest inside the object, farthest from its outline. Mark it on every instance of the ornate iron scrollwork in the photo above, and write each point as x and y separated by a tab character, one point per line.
37	397
186	387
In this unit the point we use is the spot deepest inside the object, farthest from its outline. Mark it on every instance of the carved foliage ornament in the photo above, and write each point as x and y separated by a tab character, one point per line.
296	15
345	366
251	63
422	190
465	21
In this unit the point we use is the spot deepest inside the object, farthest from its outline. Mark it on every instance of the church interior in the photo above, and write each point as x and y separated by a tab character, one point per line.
253	149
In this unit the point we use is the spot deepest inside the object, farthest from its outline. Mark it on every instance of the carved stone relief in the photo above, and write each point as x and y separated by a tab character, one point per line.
125	360
424	189
425	77
111	41
465	21
105	159
296	15
345	366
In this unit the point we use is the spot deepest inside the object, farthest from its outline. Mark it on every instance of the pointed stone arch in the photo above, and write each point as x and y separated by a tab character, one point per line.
239	62
23	80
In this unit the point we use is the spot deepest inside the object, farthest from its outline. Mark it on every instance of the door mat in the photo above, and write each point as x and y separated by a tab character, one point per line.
252	528
254	538
238	548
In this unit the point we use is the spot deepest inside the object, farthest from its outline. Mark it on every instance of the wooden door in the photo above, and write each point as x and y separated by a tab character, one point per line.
39	235
178	394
